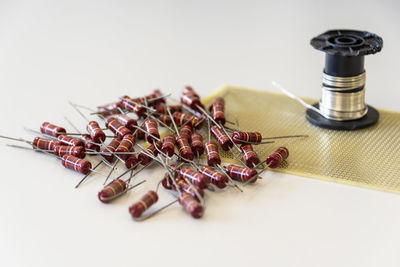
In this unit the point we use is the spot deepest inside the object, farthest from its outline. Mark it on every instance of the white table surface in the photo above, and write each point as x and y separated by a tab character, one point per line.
92	52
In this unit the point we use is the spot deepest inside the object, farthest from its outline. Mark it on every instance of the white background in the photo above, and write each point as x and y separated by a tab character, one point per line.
92	52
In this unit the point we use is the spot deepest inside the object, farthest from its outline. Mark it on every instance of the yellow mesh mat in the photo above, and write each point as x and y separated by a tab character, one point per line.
368	157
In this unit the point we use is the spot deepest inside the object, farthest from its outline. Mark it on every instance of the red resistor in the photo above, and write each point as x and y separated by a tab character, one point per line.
151	127
143	204
191	205
117	128
144	159
195	178
111	191
156	94
89	145
213	157
77	164
76	151
197	143
162	108
187	90
222	138
96	133
186	131
137	108
217	108
50	129
251	137
218	179
109	109
184	187
168	145
127	121
166	119
250	157
70	141
276	158
184	149
126	145
181	118
112	146
45	144
240	173
131	161
140	135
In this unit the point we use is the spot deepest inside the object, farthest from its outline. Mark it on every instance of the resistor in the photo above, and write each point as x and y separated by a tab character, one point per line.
133	105
155	98
131	161
126	145
184	149
162	108
70	141
186	131
127	121
147	200
77	164
112	190
108	109
76	151
250	157
112	146
213	157
165	119
117	128
168	145
151	127
196	178
90	143
240	173
240	137
276	158
183	186
217	108
197	144
222	138
45	144
152	150
191	205
218	179
51	129
95	132
181	119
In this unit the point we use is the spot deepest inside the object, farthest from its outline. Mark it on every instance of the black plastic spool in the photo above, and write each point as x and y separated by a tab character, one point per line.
344	57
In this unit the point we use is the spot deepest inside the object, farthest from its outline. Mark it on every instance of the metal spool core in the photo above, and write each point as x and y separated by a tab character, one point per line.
342	105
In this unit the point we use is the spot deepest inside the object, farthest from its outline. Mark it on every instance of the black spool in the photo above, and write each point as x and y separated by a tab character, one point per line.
344	57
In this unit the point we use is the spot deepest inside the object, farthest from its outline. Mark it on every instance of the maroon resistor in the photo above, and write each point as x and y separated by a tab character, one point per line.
143	204
191	205
109	109
133	105
213	157
222	138
45	144
195	178
183	187
181	118
240	173
117	128
112	191
217	108
70	141
188	90
156	94
197	143
184	149
126	145
166	119
250	157
131	161
51	129
127	121
218	179
276	158
145	159
162	108
168	145
89	143
112	146
140	135
151	127
246	137
76	151
77	164
96	133
186	131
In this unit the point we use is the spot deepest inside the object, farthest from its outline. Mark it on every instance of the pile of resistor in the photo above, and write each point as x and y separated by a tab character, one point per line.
189	130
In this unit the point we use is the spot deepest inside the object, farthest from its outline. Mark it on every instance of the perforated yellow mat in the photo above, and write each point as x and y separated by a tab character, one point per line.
368	157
